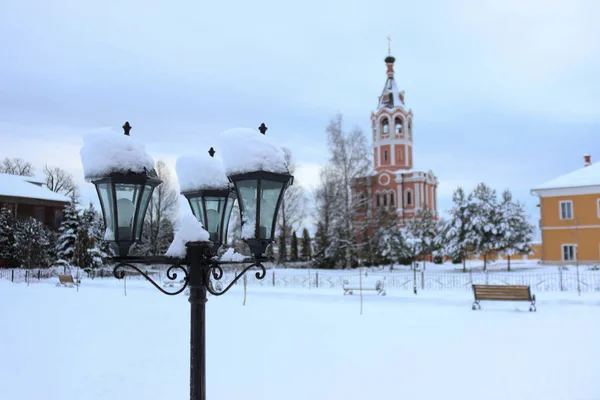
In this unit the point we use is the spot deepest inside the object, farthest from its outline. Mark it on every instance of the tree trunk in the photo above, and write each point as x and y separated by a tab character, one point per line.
508	262
464	260
485	262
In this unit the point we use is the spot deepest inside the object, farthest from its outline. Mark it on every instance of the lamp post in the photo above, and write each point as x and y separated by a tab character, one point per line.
124	198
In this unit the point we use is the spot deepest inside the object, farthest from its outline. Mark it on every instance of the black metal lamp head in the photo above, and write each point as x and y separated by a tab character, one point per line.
124	198
259	194
212	207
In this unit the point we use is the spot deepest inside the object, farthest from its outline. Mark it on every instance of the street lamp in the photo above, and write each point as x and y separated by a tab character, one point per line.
125	179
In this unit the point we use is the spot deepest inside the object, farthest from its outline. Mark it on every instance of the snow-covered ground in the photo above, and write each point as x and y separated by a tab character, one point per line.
288	343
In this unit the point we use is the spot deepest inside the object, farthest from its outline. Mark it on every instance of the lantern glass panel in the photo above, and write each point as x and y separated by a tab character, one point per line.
108	207
247	199
127	200
142	211
214	210
198	209
228	209
270	191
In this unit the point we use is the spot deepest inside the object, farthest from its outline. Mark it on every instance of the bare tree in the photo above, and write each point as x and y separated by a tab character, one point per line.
60	181
292	211
349	159
326	201
16	166
162	211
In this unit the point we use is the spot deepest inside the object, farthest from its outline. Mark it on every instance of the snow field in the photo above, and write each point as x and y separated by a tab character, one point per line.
294	344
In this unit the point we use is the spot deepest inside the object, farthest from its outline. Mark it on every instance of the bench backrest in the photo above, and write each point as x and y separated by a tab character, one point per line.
65	279
502	292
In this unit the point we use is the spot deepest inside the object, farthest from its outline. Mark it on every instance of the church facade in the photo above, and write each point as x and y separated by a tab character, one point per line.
394	186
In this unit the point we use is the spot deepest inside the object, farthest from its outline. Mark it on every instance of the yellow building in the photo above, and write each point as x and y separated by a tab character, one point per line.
570	216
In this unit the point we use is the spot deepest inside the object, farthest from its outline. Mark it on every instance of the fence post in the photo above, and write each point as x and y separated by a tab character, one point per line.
235	277
39	274
470	277
317	279
27	277
273	277
422	280
415	279
560	279
12	275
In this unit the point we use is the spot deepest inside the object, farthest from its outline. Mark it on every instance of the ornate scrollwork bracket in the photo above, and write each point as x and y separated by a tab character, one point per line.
119	273
216	272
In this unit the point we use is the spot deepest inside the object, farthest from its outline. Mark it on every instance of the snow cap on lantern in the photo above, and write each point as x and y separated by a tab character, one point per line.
106	151
245	150
199	172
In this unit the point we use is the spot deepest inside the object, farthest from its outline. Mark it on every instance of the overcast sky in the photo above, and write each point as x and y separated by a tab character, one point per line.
505	92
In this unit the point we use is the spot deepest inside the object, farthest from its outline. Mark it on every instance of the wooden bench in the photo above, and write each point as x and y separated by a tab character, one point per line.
349	288
503	293
66	281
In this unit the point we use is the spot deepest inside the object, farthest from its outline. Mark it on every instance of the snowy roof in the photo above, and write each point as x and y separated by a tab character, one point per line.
245	150
586	176
200	172
104	152
22	186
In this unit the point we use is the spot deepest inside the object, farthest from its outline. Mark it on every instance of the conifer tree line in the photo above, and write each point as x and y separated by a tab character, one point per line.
480	223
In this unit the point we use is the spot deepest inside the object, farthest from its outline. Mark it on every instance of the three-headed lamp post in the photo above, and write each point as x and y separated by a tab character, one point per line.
253	171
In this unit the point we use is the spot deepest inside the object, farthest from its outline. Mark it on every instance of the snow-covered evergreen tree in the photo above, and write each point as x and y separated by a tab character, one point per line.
92	249
66	247
485	221
32	247
515	231
419	235
7	237
456	239
306	248
384	246
294	247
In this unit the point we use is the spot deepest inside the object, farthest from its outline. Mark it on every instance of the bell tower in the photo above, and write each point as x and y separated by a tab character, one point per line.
391	125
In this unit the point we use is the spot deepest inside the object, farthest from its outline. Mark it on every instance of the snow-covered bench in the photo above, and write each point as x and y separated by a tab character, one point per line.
503	293
366	284
67	281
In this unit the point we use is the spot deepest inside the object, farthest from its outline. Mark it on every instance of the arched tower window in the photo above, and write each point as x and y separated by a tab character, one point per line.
385	127
384	200
410	127
392	199
398	123
409	198
377	203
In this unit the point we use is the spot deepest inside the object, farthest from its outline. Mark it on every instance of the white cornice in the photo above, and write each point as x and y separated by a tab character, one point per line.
570	191
556	228
380	142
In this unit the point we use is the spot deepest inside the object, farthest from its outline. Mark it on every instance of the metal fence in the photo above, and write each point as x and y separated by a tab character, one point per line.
549	279
553	280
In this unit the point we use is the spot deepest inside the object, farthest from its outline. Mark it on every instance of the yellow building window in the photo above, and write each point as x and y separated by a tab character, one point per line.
566	209
568	252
